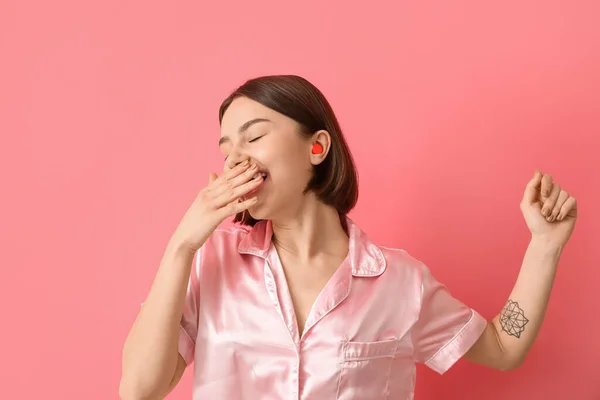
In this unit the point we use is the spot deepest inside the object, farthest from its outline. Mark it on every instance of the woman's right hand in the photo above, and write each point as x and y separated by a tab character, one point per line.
219	200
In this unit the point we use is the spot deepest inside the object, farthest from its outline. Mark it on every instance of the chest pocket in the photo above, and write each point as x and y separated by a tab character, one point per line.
366	368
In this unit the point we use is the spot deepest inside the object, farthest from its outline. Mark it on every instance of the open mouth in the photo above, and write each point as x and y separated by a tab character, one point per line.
264	179
254	191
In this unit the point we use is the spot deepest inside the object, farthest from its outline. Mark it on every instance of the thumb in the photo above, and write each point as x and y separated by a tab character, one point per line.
533	188
212	177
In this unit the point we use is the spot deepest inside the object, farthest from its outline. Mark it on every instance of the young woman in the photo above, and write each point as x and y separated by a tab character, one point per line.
295	301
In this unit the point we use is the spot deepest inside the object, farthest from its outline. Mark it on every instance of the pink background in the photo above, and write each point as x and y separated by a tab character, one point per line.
108	115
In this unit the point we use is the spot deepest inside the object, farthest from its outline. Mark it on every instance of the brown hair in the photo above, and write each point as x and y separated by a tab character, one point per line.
335	180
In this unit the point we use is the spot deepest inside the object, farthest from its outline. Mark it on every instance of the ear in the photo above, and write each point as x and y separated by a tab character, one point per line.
323	138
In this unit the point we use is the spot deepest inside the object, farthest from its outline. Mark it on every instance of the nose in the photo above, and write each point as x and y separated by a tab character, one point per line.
238	163
235	159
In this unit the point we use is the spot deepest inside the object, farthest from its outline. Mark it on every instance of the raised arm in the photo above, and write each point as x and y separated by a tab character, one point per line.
550	214
152	365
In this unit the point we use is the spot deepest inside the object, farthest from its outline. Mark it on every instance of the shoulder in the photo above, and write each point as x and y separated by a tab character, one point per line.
219	251
400	261
409	271
223	243
397	265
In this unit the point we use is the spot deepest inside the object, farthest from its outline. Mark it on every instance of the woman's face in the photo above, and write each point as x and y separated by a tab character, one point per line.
251	131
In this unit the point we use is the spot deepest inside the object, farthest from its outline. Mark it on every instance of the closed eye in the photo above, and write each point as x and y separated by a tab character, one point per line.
249	141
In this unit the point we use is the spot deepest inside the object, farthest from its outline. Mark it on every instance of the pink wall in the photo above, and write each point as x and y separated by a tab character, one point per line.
108	115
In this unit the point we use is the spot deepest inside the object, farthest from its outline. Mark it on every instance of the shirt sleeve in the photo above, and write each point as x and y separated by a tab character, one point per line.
446	328
188	329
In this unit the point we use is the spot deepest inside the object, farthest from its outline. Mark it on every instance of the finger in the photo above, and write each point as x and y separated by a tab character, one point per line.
235	193
532	189
547	184
232	173
568	209
236	181
550	202
237	207
562	197
212	177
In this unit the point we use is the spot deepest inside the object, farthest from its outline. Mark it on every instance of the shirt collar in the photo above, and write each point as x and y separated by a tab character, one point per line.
366	259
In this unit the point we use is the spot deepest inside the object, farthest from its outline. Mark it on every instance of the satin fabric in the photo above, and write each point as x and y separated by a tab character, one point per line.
380	313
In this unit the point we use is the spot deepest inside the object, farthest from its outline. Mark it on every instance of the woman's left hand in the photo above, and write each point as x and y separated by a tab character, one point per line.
549	211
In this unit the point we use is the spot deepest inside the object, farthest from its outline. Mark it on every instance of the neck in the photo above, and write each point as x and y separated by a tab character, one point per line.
314	230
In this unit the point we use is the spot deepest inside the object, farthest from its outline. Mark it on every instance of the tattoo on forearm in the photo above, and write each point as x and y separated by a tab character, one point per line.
512	319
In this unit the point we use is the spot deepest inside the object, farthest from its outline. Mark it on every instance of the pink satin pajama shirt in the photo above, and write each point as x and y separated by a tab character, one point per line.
380	313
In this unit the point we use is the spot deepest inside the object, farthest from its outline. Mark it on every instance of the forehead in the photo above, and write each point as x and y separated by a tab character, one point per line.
241	110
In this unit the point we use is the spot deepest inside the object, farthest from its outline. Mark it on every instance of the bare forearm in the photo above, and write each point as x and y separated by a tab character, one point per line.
150	353
520	320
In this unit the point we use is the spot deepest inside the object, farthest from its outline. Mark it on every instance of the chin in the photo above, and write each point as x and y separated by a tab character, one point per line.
258	212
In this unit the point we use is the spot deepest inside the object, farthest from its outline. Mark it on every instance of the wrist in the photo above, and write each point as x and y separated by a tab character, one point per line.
546	245
179	247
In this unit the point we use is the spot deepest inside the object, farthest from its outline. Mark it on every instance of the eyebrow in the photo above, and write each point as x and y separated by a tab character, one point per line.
245	126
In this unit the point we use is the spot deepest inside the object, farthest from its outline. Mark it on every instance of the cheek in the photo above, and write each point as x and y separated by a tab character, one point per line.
282	158
269	157
292	169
